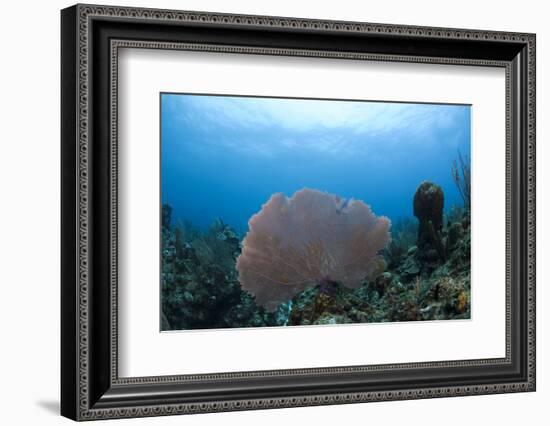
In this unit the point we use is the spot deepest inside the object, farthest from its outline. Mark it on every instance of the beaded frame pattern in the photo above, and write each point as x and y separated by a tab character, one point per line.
86	12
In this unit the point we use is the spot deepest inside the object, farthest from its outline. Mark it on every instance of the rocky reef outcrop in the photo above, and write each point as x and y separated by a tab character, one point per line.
199	282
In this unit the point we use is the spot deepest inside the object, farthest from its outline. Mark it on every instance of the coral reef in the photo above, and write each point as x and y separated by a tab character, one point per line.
200	270
200	288
309	239
408	292
422	281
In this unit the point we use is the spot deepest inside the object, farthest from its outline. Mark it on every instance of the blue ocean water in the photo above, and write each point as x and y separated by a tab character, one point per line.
224	156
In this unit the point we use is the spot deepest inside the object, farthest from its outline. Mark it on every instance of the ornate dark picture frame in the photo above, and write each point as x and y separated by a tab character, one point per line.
90	385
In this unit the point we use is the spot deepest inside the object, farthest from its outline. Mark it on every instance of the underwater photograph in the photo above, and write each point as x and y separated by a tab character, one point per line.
299	212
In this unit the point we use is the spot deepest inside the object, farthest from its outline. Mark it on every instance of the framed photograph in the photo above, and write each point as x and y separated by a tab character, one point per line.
263	212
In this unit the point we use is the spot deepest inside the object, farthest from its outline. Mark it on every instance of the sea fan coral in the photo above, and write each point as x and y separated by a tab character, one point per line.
310	238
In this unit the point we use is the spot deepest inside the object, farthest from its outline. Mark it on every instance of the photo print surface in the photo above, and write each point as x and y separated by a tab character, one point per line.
300	212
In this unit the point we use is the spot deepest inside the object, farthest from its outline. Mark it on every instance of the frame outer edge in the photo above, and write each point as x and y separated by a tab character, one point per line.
69	190
81	342
83	61
531	200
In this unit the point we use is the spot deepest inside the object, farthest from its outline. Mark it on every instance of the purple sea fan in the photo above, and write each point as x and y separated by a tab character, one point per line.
298	242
